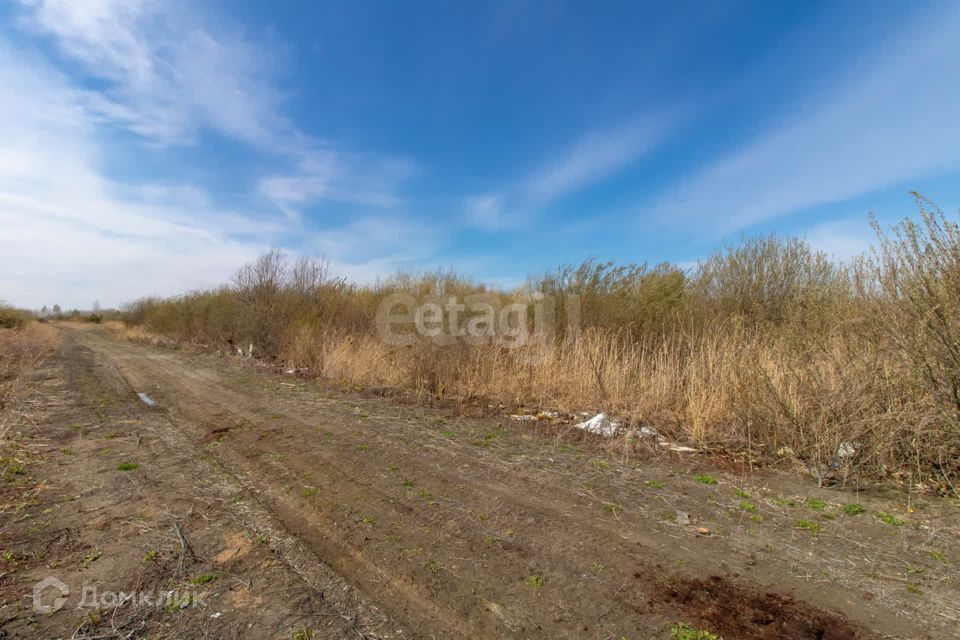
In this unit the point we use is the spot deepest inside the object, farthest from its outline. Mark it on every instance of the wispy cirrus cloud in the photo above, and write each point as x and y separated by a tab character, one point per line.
887	124
169	76
71	235
368	179
70	232
164	74
485	212
594	157
379	238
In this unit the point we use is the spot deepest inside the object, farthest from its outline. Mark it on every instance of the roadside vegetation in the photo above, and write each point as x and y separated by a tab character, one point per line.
11	318
24	343
767	346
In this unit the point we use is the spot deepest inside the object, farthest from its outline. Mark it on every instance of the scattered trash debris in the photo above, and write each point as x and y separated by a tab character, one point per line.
847	449
703	531
683	518
600	424
529	417
216	615
146	399
837	467
650	432
673	446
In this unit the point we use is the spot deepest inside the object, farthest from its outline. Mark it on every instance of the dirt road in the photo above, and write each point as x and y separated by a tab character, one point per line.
292	510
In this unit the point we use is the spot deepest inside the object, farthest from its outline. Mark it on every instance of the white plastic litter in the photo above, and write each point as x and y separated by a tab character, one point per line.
847	449
529	417
844	451
146	399
673	446
600	424
663	443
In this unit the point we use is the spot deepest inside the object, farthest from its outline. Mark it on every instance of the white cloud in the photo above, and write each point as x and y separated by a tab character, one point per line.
368	179
169	76
842	239
485	212
49	262
312	181
595	157
68	234
374	237
892	123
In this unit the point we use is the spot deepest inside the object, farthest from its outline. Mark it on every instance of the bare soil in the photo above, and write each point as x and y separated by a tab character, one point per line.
292	509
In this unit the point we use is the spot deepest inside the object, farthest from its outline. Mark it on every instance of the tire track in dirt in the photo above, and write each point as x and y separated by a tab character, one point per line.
106	520
433	562
174	467
193	393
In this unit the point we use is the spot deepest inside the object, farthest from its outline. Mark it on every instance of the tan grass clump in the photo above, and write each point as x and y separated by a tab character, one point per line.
21	350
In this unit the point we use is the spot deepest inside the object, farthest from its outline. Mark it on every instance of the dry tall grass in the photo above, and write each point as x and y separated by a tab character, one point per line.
767	345
20	350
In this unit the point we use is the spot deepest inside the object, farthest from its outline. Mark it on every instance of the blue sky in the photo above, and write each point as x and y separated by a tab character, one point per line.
153	147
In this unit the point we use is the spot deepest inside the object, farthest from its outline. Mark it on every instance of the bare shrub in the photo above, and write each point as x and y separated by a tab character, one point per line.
11	318
631	298
911	287
766	346
768	279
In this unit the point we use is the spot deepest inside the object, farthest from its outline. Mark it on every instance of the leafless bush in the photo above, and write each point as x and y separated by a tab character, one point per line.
767	345
11	318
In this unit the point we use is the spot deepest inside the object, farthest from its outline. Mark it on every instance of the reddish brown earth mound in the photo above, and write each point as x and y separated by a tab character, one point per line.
733	611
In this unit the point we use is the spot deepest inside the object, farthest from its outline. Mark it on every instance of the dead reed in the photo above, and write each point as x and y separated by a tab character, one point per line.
767	344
